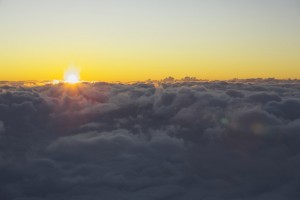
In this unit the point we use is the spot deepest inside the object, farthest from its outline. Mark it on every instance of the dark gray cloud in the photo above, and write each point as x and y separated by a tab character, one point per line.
156	140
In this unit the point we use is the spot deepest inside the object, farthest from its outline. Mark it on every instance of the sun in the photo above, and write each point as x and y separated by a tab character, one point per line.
72	76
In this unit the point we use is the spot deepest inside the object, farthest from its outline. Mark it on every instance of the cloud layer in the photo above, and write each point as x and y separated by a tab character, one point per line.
162	140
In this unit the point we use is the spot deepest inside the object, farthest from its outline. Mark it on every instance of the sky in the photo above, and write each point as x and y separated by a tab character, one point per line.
134	40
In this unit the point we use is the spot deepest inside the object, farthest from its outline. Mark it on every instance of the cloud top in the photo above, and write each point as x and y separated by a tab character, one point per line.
184	139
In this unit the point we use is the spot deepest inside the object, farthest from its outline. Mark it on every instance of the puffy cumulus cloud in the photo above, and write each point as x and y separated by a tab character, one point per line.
185	139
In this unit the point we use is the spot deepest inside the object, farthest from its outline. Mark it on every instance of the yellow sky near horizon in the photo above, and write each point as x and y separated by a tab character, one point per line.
137	40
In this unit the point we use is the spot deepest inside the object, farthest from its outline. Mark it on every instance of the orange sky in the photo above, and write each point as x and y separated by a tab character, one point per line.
138	40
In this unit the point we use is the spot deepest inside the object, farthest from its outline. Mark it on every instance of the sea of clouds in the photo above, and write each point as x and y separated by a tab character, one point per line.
187	140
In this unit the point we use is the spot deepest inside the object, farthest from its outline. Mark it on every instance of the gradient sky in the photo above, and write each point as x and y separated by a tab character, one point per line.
130	40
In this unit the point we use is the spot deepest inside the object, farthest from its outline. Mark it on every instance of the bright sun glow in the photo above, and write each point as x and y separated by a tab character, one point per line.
72	76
